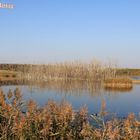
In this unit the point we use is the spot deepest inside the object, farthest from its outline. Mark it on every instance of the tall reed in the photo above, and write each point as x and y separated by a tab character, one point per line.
93	71
58	121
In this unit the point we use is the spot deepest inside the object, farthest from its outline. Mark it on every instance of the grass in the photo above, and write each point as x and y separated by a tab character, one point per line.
58	121
6	75
136	81
128	72
94	71
118	83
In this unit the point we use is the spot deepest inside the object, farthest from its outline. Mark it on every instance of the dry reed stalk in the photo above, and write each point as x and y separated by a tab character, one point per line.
93	71
59	121
120	83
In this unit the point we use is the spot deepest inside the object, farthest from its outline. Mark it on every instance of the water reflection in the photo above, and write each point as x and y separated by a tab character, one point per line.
67	87
70	87
116	90
135	77
80	93
12	82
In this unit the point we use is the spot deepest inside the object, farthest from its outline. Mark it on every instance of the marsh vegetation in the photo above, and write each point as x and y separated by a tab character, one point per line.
118	83
21	119
93	71
60	121
8	75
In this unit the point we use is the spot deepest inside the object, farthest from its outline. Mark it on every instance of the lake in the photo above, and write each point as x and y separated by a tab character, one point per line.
135	77
80	94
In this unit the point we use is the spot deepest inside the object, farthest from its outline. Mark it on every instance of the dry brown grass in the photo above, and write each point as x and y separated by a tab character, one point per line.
93	71
120	83
6	75
136	81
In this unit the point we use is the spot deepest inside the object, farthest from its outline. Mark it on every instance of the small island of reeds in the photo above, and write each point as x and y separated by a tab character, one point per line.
118	83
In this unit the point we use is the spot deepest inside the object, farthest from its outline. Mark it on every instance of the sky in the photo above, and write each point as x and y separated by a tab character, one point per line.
46	31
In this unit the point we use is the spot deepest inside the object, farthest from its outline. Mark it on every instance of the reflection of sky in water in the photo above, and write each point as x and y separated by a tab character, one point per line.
119	102
135	77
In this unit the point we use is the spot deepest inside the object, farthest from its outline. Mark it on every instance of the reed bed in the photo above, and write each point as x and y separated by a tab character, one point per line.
136	81
118	83
58	121
6	75
128	72
93	71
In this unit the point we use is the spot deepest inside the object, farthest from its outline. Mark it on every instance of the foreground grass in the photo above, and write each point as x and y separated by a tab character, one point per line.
60	122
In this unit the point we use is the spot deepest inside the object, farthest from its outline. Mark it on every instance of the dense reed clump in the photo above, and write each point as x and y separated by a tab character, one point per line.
6	75
93	71
58	121
118	83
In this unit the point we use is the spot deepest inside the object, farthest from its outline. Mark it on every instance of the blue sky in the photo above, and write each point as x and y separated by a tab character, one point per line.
44	31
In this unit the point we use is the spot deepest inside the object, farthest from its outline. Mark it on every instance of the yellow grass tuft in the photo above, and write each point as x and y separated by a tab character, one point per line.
118	83
7	75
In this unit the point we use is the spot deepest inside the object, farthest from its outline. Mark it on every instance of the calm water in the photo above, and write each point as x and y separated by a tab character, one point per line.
120	102
135	77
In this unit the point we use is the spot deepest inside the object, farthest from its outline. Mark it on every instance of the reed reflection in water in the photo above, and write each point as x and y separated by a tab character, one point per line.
80	93
76	87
